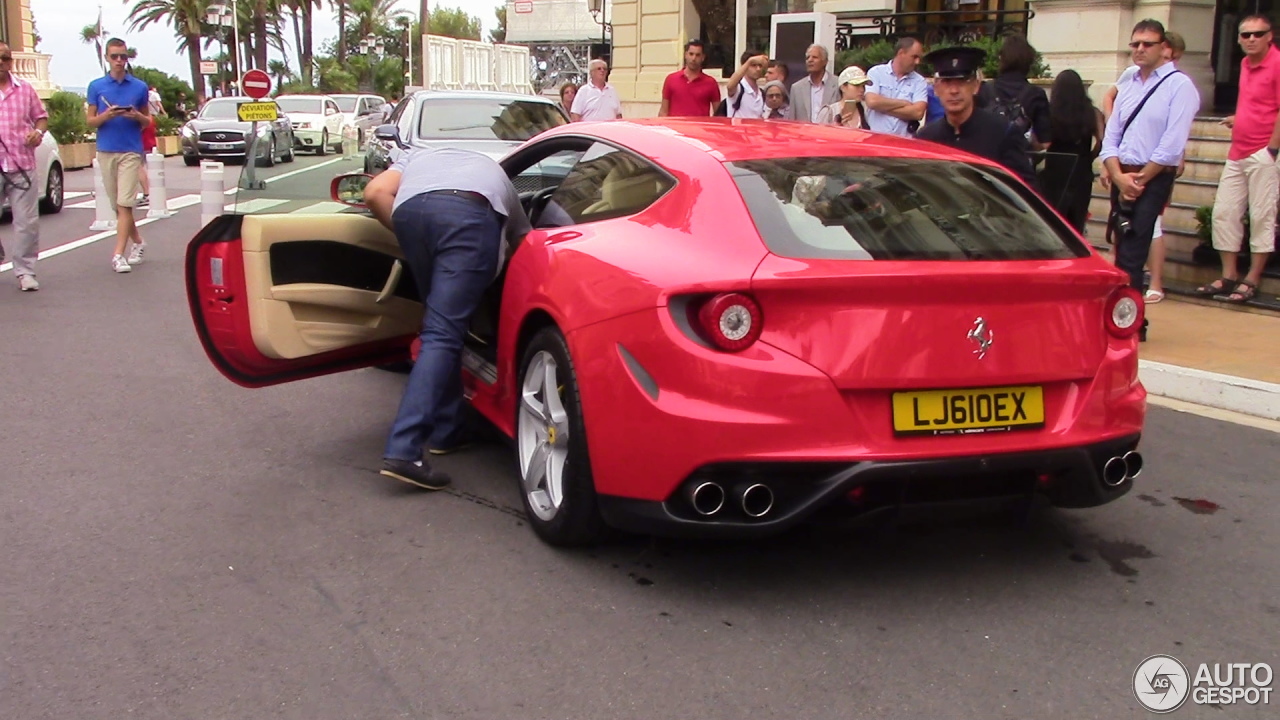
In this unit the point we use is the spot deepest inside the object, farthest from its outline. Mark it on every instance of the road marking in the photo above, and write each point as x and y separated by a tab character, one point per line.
247	207
327	207
175	204
1215	413
73	195
74	244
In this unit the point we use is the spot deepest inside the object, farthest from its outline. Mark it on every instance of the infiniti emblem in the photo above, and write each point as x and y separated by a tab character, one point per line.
220	136
982	335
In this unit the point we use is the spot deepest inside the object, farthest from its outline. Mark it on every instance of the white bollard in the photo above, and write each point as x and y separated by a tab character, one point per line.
350	139
159	195
211	191
104	218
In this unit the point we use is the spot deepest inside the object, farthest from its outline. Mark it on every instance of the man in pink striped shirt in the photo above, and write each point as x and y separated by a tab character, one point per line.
23	123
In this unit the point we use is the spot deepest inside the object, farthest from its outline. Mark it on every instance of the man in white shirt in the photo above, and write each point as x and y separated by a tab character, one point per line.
597	100
901	94
746	81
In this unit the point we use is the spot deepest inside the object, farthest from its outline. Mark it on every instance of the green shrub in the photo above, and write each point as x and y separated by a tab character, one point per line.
881	51
67	121
167	85
866	57
167	125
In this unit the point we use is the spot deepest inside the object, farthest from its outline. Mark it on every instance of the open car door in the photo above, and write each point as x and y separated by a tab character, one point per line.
299	291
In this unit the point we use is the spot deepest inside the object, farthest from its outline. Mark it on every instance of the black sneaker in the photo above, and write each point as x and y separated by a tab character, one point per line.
450	449
415	473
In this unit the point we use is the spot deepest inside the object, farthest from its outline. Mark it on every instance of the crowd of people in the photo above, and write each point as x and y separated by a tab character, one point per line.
1140	133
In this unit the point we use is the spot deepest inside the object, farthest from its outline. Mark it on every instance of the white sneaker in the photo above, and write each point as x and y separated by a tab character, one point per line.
119	264
27	283
135	255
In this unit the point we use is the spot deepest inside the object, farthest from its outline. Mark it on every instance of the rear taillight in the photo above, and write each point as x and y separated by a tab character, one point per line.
731	321
1124	312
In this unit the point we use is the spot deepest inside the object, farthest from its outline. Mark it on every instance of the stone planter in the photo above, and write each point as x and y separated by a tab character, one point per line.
79	155
168	145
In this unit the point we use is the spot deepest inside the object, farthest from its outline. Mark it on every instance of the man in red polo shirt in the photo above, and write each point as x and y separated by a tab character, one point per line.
1250	178
690	92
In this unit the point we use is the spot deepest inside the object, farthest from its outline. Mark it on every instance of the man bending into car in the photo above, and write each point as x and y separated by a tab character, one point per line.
451	228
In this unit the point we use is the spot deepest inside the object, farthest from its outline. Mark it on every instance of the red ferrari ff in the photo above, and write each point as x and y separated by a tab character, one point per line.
722	327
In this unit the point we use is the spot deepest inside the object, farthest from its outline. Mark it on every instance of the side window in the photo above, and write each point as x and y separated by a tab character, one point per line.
608	183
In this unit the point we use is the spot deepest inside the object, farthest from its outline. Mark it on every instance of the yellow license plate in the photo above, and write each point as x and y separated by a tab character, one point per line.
962	412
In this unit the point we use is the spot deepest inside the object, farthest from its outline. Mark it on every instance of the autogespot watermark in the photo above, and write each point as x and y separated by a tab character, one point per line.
1162	684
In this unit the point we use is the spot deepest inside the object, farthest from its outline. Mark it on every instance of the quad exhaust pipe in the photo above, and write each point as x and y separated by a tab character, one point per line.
709	498
1122	467
756	499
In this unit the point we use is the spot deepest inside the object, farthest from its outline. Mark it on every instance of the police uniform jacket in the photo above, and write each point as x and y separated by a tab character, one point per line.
987	135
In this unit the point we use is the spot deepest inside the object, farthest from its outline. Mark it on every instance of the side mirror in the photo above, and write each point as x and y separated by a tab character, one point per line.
389	133
329	111
349	189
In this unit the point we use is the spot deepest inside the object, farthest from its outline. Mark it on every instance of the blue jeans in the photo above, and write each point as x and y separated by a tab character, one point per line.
451	245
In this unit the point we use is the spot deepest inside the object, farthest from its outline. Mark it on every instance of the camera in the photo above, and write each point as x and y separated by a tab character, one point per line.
1122	219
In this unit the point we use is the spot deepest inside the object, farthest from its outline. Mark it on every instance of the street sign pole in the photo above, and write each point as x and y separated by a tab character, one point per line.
256	84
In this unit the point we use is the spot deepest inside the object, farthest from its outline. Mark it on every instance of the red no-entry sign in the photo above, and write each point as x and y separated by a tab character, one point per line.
256	84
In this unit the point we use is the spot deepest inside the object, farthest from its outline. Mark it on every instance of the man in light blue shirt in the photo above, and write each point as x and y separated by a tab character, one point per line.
899	95
1143	144
451	226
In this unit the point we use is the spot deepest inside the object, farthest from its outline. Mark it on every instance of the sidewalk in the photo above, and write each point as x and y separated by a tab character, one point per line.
1213	356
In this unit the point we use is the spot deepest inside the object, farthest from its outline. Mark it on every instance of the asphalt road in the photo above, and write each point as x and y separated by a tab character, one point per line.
177	547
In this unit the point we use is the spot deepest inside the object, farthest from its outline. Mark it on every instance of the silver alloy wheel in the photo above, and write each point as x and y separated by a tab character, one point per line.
53	193
543	431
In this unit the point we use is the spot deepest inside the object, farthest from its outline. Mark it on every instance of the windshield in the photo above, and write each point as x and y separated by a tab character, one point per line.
346	103
221	109
484	119
856	208
315	106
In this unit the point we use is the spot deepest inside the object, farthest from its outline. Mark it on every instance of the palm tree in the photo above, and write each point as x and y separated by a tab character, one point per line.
302	38
186	17
94	34
279	69
373	16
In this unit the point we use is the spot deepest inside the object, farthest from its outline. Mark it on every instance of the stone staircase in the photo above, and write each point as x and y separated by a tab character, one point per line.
1206	155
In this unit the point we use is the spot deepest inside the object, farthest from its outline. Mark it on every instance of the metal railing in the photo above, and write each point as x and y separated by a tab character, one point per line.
470	65
932	27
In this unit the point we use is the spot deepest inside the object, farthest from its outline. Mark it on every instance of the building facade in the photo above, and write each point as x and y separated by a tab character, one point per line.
1088	36
17	30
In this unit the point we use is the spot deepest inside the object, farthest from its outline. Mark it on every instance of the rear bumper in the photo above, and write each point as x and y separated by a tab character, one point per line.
1067	477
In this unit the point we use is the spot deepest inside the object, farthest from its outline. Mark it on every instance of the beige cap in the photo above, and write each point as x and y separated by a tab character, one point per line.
854	75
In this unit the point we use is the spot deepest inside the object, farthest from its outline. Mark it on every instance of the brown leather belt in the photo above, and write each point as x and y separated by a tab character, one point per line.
467	194
1138	168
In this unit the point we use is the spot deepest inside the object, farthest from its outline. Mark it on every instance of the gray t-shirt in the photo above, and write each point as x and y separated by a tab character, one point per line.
426	169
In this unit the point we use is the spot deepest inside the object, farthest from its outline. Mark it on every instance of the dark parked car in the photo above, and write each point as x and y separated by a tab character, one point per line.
217	134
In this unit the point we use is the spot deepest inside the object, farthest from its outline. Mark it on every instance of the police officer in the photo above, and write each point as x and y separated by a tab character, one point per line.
454	229
966	127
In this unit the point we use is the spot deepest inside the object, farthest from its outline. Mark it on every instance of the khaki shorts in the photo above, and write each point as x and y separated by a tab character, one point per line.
120	177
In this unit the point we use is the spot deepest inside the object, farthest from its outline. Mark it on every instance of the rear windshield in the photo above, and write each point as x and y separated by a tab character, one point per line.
484	119
313	105
847	208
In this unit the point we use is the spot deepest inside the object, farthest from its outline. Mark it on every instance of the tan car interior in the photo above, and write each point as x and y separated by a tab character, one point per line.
626	187
301	319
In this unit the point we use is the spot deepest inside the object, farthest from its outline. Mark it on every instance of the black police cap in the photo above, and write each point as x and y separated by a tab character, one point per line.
956	62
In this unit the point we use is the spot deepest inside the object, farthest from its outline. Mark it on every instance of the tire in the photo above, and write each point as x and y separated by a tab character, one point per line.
323	147
269	160
191	161
289	156
53	192
574	518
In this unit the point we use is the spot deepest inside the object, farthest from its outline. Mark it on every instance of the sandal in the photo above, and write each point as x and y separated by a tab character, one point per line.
1217	287
1244	292
1153	296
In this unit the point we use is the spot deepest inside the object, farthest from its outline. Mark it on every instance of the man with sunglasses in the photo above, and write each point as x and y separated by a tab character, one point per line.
23	123
1250	179
118	108
1143	145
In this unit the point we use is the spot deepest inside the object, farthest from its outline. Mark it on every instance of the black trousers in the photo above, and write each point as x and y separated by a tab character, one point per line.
1132	249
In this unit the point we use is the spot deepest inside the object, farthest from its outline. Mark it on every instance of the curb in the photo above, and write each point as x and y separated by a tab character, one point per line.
1227	392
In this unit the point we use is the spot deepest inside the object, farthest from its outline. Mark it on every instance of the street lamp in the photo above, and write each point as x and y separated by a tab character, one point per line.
219	14
598	9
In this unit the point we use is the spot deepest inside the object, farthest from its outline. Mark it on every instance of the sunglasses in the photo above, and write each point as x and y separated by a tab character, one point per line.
6	58
118	56
1246	34
1143	44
